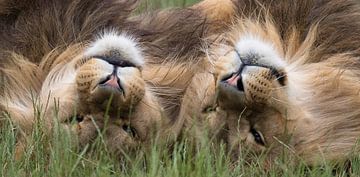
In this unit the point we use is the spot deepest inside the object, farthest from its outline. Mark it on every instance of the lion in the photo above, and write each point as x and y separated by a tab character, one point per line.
91	83
66	77
261	81
281	77
126	81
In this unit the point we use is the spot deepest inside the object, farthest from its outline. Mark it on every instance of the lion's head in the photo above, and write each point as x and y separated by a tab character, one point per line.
101	85
269	88
108	82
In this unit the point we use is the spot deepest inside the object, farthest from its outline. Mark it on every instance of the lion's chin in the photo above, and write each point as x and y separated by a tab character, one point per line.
108	97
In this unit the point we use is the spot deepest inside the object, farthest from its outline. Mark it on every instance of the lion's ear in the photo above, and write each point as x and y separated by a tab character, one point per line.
116	46
217	10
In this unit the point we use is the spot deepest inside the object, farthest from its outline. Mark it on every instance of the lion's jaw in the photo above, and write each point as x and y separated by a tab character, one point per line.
109	77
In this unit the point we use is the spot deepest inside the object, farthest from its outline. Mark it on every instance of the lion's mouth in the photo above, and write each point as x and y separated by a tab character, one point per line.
251	60
235	80
111	81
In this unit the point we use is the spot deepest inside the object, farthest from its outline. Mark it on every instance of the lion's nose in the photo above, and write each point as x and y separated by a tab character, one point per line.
111	81
235	80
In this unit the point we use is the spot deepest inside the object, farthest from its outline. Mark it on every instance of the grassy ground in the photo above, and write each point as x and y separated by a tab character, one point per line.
56	156
183	161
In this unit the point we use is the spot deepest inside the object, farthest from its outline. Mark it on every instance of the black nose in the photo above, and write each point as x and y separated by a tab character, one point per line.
111	81
234	80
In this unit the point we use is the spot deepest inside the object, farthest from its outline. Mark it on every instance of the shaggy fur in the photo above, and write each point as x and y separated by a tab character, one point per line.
49	41
166	37
300	89
302	82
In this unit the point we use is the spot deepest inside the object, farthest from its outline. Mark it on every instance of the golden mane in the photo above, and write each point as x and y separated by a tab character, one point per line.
45	40
299	90
303	80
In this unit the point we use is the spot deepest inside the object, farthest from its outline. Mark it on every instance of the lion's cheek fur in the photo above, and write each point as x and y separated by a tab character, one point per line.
325	99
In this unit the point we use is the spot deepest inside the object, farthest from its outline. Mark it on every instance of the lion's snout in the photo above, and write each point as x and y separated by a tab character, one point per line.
254	83
104	84
112	83
258	84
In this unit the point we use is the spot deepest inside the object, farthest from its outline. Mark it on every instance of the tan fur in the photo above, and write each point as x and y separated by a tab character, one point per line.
314	115
59	80
61	91
220	11
316	46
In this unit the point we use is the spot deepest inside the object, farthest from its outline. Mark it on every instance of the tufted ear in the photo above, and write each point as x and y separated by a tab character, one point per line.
118	46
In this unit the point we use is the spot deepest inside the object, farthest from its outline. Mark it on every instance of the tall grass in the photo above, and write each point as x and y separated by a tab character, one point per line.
57	155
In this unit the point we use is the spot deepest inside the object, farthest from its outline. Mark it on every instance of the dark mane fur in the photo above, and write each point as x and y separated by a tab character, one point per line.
41	28
338	22
175	33
34	28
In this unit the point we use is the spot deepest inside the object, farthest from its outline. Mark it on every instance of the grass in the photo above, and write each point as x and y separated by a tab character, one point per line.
157	4
57	156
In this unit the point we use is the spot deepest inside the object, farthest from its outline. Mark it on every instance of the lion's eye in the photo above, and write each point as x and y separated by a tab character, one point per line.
209	109
130	130
75	118
79	118
257	137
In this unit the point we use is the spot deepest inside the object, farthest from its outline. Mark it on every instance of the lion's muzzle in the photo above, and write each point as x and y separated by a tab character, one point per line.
252	82
111	82
101	82
255	83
